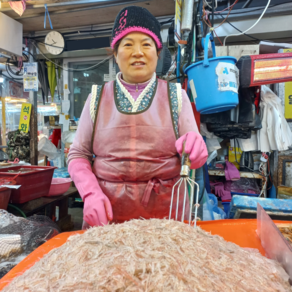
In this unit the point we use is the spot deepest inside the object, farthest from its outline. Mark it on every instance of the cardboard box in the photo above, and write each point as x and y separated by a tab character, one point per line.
234	155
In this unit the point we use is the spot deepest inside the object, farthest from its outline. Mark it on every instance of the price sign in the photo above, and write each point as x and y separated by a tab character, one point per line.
24	117
30	77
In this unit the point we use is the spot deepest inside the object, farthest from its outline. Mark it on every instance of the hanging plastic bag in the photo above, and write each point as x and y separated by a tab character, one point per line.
46	147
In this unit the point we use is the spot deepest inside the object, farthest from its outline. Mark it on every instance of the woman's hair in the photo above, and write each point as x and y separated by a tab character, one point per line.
116	47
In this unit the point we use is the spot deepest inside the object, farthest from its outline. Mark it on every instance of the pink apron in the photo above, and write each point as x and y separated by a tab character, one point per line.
136	160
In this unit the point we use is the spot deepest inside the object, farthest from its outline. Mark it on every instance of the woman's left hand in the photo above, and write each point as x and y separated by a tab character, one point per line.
195	147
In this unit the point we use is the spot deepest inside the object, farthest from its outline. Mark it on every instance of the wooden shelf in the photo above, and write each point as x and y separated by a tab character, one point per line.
218	172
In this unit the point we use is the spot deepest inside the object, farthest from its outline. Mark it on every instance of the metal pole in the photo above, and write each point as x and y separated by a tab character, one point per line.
33	118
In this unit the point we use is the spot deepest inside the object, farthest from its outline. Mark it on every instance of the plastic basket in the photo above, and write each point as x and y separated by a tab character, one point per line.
210	99
34	184
59	186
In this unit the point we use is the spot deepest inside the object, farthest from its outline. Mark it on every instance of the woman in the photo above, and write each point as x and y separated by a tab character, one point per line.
135	126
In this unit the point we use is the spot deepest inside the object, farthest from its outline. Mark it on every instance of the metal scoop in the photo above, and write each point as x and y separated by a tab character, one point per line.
186	181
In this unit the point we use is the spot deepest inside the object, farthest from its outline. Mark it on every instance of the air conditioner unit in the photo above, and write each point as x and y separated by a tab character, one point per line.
10	36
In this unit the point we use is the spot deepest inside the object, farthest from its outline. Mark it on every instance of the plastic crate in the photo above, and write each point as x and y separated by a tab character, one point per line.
226	205
34	184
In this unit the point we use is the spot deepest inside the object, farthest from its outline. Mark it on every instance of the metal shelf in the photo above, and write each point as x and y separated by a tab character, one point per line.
217	172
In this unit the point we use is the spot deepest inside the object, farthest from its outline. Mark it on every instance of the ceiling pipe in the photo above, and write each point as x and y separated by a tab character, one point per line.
58	12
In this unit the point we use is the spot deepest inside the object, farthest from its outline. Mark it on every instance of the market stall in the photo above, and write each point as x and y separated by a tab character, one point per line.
238	116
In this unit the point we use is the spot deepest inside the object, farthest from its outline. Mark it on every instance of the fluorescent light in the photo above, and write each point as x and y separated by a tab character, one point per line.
1	79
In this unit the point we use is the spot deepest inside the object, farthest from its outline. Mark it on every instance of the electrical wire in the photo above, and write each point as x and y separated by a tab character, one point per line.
216	34
239	12
231	6
27	52
218	38
205	14
240	30
167	21
9	71
72	69
43	43
12	79
255	9
16	76
209	4
269	1
46	44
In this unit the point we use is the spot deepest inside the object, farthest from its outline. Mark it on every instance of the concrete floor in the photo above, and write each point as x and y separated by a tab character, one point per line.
76	217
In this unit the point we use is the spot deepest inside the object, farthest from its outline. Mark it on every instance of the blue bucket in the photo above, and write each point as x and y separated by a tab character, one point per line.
211	94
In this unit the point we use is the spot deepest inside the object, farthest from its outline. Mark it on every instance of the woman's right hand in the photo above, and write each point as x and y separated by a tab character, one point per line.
97	209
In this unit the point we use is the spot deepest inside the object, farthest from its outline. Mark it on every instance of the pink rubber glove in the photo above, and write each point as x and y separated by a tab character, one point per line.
195	147
97	207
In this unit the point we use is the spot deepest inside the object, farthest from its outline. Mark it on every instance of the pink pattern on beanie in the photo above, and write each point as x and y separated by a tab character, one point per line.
136	29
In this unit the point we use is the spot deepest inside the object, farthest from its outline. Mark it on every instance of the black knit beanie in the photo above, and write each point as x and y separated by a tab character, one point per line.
136	19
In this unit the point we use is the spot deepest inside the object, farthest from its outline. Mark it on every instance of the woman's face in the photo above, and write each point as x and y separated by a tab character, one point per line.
137	57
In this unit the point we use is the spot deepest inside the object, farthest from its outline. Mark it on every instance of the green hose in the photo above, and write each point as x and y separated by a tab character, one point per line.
17	209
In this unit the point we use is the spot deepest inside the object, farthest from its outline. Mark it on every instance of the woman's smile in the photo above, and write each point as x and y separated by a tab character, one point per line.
138	64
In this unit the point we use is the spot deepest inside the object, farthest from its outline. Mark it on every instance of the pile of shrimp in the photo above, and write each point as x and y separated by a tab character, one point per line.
151	255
